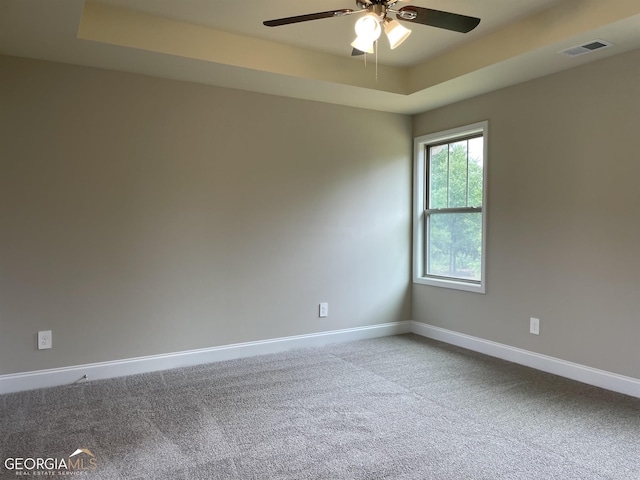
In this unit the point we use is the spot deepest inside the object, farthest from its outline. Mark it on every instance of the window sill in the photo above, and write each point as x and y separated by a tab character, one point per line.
451	284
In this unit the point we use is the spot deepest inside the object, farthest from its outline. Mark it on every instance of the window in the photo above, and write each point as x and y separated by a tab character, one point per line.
450	201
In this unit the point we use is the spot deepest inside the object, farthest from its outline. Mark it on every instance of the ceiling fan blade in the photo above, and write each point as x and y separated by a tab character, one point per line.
355	52
305	18
440	19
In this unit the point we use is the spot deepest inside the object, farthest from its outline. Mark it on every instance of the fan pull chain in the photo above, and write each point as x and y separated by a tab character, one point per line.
375	47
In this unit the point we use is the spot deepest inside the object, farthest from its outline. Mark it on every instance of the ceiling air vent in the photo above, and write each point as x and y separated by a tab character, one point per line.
586	48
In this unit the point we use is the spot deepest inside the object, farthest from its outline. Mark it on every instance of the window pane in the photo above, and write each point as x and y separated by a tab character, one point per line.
438	172
475	171
458	174
455	245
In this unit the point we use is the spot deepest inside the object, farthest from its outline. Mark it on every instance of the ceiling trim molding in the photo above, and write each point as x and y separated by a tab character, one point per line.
129	28
548	27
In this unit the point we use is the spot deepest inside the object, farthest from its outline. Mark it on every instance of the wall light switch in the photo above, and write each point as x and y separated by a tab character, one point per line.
324	310
45	339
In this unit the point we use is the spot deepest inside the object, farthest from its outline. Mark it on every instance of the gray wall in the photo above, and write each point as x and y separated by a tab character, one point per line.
142	216
564	219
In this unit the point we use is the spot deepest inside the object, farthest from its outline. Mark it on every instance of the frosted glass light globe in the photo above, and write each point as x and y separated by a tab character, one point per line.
368	27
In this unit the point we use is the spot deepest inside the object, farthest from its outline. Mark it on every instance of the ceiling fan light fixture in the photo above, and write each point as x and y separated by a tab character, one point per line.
395	32
368	28
363	44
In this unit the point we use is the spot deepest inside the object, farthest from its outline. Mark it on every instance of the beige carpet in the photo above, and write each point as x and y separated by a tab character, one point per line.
399	407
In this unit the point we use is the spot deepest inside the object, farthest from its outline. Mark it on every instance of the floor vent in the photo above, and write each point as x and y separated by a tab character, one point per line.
586	48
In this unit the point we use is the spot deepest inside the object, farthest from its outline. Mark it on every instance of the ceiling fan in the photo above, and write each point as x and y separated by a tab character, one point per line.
376	17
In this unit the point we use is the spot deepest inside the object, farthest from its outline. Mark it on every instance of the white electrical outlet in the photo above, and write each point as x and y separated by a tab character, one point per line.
45	339
534	326
323	310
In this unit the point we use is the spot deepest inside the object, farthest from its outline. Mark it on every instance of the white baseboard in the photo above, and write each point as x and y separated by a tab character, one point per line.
574	371
96	371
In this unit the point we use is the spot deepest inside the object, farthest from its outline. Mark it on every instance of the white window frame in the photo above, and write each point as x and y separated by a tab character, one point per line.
419	218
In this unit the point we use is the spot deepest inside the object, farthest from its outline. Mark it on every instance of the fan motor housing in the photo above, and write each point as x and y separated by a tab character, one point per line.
379	8
364	4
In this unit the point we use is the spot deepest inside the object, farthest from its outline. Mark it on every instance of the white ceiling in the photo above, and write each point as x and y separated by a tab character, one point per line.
225	44
334	35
